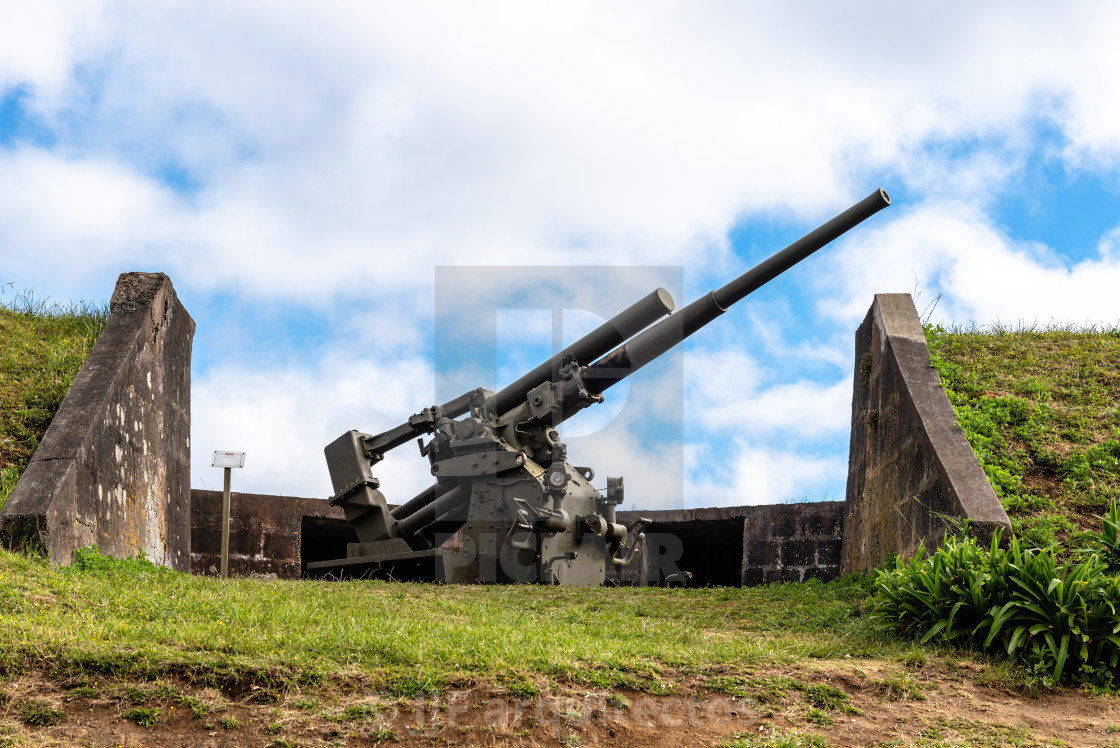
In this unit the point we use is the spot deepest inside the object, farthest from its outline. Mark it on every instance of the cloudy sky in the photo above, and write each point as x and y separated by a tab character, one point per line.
333	186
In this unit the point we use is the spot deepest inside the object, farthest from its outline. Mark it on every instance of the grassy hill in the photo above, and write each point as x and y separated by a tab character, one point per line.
41	349
1041	409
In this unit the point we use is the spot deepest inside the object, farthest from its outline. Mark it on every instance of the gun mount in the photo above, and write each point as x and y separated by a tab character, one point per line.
506	505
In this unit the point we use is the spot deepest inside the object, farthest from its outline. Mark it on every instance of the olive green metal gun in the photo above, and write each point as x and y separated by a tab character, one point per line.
506	505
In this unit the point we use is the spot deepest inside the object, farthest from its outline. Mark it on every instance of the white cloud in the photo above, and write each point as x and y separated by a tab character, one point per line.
343	150
39	43
282	419
763	475
362	144
983	275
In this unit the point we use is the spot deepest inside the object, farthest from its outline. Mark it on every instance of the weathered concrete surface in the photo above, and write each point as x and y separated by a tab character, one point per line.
268	534
113	469
728	546
909	463
742	545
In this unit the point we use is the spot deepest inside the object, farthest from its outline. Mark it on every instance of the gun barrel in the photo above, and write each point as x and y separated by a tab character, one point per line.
595	344
660	338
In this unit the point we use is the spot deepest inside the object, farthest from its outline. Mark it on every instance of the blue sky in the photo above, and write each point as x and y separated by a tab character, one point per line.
304	171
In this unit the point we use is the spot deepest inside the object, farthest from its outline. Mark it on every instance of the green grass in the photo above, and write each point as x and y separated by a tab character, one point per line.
1041	409
774	738
134	620
41	349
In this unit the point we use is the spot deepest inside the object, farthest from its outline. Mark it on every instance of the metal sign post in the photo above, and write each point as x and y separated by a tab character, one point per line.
227	460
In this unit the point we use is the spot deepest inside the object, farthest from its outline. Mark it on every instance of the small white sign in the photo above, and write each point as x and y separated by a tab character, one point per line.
228	460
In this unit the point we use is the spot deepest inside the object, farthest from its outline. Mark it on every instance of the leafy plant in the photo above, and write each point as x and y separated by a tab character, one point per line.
198	707
40	713
1059	619
91	559
1109	538
383	735
824	696
145	716
359	712
819	717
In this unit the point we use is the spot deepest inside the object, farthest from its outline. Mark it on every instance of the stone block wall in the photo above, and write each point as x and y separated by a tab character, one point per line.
910	465
113	469
740	546
792	542
268	534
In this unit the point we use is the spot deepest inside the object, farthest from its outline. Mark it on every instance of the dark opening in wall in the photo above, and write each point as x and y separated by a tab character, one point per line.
711	549
323	539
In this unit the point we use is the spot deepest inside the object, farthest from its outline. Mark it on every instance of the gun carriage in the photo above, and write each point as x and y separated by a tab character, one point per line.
507	505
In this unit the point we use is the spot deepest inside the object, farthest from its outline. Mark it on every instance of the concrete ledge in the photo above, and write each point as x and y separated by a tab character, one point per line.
909	465
113	469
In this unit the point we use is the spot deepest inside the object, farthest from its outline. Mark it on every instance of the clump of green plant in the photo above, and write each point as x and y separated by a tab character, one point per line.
229	722
383	735
819	717
774	738
826	697
8	736
1059	619
145	716
198	707
305	704
359	712
40	713
898	685
83	692
618	701
91	560
517	685
1108	539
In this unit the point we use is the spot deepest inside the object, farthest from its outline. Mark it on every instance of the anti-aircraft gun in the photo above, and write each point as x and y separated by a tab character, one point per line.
507	506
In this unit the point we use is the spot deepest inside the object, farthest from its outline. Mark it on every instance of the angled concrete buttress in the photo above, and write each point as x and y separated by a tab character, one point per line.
113	469
910	465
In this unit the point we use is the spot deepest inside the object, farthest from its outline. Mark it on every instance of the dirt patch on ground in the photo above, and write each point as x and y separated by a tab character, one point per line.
851	704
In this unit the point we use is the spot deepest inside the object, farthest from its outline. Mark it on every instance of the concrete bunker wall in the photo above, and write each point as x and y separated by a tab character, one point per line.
909	465
268	534
722	546
113	469
740	546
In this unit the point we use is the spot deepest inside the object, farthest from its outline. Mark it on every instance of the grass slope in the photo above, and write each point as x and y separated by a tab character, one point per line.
1041	409
131	618
125	647
41	350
